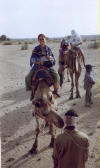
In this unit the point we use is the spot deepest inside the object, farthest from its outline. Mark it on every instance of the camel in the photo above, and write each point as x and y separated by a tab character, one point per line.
63	66
71	59
45	107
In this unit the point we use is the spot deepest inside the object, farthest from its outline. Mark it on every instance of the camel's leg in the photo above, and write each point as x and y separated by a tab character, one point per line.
77	75
52	135
34	148
68	80
72	86
46	124
61	79
61	74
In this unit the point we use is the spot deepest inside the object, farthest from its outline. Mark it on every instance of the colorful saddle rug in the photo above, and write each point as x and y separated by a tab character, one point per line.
42	73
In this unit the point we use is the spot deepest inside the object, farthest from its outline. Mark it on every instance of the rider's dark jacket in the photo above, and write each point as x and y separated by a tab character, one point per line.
37	54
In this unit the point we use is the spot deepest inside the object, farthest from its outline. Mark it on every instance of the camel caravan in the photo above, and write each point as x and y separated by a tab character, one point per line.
44	82
71	58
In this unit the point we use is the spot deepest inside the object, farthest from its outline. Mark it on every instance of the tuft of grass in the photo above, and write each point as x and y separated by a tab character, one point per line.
24	46
19	42
30	42
7	43
94	45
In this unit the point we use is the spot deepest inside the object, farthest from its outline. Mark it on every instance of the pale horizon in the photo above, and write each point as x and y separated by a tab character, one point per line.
27	19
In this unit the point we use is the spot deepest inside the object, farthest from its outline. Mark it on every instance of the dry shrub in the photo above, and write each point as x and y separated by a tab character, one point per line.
30	42
84	40
55	40
4	38
19	42
7	43
25	46
94	45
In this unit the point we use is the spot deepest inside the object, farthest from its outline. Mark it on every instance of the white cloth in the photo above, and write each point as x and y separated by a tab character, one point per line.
43	59
75	38
71	120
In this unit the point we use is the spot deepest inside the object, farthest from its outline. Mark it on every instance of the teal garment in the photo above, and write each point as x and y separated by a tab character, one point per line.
28	80
52	71
55	75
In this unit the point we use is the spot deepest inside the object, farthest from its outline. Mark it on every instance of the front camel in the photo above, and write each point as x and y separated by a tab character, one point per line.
45	106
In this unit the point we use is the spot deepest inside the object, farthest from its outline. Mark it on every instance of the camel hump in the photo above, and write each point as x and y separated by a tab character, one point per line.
42	74
56	119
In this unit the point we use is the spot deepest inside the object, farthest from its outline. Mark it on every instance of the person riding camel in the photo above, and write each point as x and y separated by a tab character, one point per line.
76	41
64	47
41	55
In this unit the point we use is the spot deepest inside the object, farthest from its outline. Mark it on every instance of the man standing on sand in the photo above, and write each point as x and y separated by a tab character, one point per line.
88	84
71	147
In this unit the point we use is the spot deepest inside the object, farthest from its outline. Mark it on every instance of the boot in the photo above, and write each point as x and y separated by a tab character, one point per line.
56	87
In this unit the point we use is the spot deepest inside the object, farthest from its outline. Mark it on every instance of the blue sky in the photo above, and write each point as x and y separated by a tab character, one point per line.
54	18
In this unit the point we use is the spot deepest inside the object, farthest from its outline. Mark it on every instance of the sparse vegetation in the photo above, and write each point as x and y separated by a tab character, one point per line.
19	42
24	46
30	42
7	43
4	38
84	40
94	45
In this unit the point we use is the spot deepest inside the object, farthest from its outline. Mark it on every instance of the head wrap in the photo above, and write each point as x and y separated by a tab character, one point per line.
74	34
64	43
75	38
88	67
70	117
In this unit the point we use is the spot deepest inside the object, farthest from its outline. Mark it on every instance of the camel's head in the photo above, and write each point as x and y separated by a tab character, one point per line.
43	105
66	57
46	110
46	105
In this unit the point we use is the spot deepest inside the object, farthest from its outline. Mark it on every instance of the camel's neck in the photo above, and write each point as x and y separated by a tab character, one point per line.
43	86
42	90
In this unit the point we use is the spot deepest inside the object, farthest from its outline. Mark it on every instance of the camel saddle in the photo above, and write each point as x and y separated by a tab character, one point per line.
42	73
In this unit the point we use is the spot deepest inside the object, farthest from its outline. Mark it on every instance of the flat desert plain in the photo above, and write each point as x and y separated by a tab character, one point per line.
17	122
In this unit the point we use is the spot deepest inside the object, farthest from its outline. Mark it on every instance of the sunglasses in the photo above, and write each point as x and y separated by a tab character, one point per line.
42	39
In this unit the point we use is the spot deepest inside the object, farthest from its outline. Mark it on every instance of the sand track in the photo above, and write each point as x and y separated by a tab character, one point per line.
17	123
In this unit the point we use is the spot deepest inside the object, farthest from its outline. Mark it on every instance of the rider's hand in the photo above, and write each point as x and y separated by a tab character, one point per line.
48	57
38	62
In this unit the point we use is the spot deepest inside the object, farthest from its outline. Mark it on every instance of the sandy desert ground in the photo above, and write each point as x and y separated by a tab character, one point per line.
17	123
